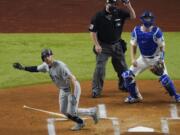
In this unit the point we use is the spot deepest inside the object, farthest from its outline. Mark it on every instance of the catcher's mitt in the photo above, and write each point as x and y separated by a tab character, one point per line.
18	66
158	68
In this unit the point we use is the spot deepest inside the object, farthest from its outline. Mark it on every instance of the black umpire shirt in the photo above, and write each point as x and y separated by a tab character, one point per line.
108	27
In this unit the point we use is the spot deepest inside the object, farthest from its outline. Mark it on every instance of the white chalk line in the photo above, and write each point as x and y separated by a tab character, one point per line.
174	111
51	127
173	116
115	121
102	111
102	115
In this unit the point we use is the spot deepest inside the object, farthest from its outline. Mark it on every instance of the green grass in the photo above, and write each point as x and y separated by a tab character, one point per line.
74	49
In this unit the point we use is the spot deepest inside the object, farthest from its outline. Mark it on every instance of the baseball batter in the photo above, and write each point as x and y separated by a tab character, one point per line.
69	87
149	39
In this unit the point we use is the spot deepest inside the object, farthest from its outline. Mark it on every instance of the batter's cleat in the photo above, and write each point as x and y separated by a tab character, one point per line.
78	126
95	115
132	100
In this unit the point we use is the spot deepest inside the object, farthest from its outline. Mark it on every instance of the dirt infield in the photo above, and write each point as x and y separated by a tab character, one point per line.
74	15
17	121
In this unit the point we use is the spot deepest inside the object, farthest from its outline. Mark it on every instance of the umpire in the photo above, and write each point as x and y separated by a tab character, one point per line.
105	29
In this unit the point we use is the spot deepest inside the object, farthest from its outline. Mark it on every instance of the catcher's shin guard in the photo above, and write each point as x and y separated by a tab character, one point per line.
168	84
130	83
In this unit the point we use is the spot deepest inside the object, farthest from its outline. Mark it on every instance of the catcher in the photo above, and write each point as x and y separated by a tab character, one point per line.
150	41
69	87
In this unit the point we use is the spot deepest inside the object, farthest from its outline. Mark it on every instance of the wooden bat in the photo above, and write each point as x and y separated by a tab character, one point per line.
44	111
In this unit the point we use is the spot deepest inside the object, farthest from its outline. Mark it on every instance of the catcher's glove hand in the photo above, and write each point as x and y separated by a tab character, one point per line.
158	68
18	66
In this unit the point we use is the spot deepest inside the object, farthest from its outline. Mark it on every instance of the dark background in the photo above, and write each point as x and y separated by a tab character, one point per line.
75	15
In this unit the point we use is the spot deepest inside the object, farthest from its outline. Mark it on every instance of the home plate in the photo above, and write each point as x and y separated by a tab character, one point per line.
140	129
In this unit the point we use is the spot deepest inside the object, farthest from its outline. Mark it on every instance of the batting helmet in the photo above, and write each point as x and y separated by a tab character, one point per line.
147	18
45	53
111	1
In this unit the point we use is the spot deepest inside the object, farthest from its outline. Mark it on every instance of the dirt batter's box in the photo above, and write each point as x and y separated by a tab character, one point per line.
107	125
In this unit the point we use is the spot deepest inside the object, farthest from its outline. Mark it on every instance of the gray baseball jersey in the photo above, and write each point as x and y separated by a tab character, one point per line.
59	74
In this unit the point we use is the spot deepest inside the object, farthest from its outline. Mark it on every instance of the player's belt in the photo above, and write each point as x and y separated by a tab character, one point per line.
65	89
149	57
111	43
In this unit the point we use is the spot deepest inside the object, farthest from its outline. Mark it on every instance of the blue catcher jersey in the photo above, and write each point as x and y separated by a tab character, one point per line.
147	41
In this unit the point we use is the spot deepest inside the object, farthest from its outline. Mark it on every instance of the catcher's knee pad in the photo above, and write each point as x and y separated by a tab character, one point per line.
168	84
129	82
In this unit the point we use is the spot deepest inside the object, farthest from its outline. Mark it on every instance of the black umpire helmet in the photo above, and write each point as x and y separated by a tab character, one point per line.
45	53
111	1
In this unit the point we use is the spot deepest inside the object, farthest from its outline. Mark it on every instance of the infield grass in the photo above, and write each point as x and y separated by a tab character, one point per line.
73	49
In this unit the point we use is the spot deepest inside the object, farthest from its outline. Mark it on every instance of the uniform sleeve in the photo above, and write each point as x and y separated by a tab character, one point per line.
43	68
158	37
133	40
93	27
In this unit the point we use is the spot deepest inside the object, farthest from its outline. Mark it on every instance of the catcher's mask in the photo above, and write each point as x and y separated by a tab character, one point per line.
147	19
45	53
111	6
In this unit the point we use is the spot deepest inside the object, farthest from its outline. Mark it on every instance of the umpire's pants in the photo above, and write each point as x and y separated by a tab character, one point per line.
118	60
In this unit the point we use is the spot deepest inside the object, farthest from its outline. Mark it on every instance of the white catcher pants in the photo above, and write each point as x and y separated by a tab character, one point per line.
145	63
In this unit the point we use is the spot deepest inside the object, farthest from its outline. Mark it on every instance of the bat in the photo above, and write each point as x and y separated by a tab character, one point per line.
44	111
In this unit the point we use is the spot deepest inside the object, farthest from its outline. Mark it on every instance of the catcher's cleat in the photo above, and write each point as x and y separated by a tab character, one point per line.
139	95
78	126
177	98
132	100
95	115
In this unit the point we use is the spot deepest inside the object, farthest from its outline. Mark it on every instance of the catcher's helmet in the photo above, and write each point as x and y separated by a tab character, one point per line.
111	1
45	53
147	18
147	14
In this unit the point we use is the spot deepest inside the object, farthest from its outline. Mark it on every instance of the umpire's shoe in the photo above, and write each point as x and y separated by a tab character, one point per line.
78	126
123	89
95	94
